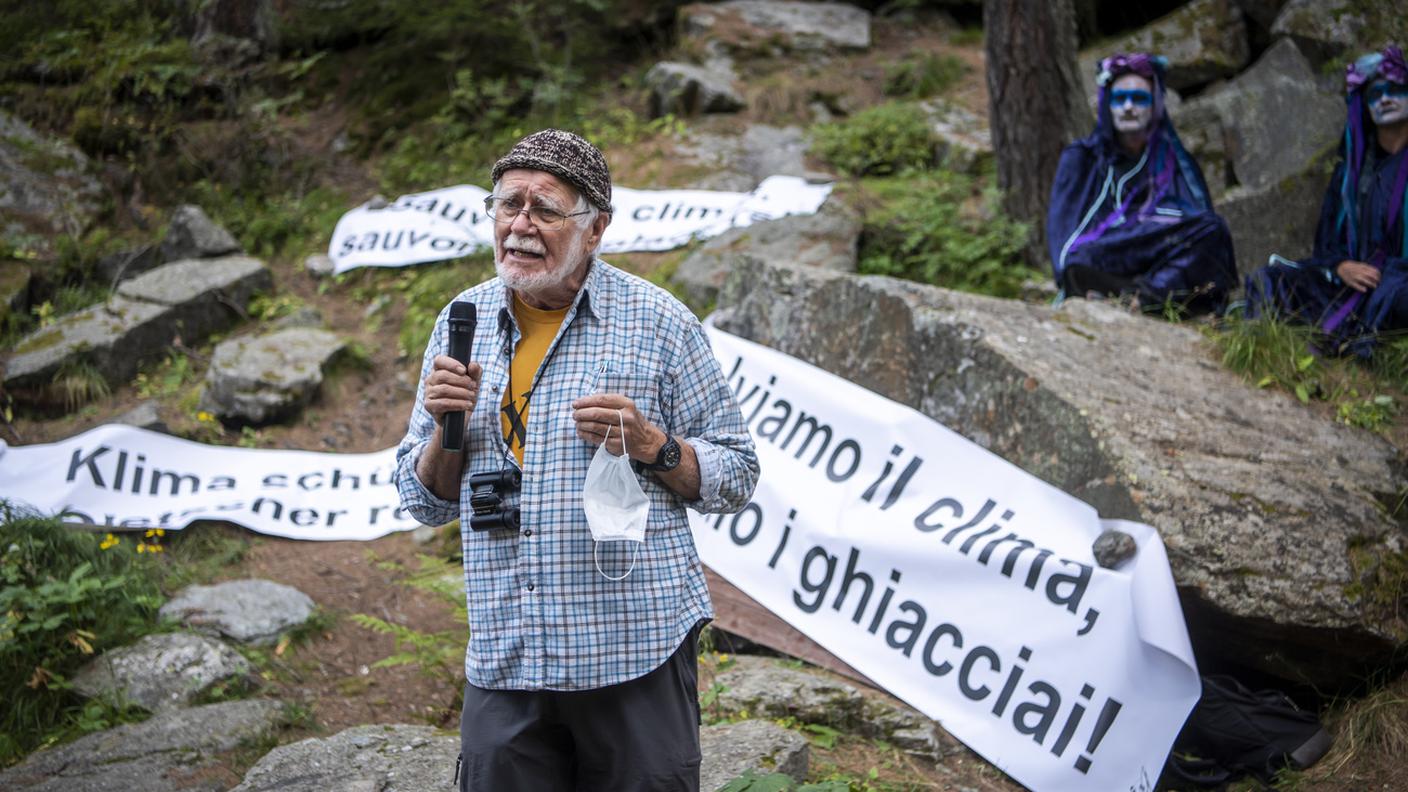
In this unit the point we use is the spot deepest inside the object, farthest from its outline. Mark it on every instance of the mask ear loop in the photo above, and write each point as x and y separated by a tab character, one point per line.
596	545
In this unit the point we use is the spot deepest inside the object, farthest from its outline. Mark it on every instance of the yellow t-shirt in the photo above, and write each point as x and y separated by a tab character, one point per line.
537	328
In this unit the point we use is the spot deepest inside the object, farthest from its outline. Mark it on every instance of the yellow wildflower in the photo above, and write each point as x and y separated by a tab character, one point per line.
205	417
109	542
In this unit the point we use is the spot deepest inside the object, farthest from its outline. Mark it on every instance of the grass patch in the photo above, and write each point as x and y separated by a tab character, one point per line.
78	382
941	228
877	141
65	595
1368	731
928	75
201	552
1272	353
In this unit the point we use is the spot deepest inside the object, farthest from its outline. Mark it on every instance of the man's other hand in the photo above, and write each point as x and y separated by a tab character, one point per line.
596	413
451	387
1357	275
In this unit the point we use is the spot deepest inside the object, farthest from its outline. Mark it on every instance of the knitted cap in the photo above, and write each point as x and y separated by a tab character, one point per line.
566	156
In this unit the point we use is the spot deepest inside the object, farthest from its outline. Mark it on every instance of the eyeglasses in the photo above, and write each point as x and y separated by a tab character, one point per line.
1137	97
1391	90
504	210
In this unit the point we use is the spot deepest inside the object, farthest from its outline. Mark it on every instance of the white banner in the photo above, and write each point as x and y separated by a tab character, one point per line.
959	582
449	223
129	478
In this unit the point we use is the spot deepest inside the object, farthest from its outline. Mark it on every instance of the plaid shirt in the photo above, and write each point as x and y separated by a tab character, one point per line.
540	614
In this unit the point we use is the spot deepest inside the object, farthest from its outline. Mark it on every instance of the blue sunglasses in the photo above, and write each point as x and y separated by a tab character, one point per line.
1137	97
1379	91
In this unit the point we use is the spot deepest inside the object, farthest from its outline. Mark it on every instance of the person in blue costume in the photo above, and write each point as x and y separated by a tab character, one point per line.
1354	286
1130	216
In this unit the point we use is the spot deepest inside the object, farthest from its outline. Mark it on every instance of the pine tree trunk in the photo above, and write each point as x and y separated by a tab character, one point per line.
1036	104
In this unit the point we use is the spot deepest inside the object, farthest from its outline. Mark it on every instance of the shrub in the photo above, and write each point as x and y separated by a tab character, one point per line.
881	140
64	595
936	228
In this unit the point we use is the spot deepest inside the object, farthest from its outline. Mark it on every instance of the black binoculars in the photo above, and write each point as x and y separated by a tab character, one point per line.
488	491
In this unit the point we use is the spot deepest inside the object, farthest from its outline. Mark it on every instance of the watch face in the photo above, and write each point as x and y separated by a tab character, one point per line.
669	457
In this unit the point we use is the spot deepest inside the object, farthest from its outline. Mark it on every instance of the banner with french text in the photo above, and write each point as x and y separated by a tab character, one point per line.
959	582
449	223
126	478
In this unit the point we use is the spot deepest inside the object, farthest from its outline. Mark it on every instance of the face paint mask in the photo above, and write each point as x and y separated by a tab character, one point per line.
1136	97
617	508
1388	102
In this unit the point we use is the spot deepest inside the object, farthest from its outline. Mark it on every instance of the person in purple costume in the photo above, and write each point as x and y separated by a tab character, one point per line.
1130	216
1354	286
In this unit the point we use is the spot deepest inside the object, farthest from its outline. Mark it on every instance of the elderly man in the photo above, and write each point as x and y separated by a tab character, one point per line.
585	593
1354	286
1130	215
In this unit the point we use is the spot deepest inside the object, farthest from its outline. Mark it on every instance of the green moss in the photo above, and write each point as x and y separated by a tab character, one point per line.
41	340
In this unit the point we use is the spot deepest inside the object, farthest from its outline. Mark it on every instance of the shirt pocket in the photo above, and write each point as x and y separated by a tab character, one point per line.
640	385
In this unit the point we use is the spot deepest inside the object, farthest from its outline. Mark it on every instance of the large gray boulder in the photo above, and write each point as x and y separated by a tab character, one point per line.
1262	12
1274	517
172	752
732	749
739	163
193	235
46	187
160	672
377	758
187	298
1279	218
828	239
767	687
1204	40
255	380
250	611
1245	123
768	25
684	89
1330	29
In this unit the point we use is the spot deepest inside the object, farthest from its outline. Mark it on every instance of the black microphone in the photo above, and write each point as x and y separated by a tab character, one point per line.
461	336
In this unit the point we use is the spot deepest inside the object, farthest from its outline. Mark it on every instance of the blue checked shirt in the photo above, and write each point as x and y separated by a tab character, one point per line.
541	616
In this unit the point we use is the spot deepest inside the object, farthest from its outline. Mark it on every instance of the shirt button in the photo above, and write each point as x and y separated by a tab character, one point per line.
530	586
527	531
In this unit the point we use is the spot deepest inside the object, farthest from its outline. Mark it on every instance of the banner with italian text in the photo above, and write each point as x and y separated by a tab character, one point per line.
959	582
449	223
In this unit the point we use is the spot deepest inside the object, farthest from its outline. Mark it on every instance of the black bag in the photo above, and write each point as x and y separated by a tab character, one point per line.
1234	731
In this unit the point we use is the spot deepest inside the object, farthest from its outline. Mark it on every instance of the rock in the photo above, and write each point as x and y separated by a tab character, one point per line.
827	239
684	89
378	758
146	415
740	162
1324	28
319	265
764	687
771	688
732	749
255	380
965	142
763	26
172	751
46	187
160	672
248	611
234	32
1262	12
187	298
1204	40
1244	123
425	534
1113	548
128	264
1280	218
1271	514
302	316
193	235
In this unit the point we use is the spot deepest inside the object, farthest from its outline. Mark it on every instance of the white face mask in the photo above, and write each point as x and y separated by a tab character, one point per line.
617	508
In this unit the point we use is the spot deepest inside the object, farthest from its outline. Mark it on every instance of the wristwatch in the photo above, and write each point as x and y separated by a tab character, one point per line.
669	457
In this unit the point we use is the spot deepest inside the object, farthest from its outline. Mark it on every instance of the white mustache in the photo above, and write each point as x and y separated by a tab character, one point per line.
525	244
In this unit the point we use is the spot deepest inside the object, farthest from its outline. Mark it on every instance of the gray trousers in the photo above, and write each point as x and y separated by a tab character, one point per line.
641	735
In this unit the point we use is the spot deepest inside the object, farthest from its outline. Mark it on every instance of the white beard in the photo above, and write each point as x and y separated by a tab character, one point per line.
539	281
